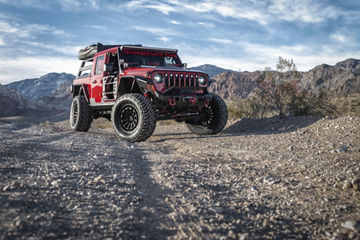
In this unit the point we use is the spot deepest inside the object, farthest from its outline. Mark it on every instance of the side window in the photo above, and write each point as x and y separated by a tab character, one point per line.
99	65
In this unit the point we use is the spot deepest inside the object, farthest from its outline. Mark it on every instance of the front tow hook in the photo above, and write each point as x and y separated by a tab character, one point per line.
189	99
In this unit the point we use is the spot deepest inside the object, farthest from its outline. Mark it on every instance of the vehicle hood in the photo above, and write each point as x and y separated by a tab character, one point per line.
177	69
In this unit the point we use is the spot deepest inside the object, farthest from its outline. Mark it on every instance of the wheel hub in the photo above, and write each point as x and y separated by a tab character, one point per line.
128	118
75	113
206	116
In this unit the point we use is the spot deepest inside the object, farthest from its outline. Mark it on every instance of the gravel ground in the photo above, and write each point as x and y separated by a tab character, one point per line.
296	178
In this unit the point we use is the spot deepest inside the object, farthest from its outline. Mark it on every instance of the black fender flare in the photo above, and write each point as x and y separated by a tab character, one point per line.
145	85
81	89
129	84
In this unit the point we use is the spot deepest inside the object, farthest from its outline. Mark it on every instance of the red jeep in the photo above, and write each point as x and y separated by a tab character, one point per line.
134	86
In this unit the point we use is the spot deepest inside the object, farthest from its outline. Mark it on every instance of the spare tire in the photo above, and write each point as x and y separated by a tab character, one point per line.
88	52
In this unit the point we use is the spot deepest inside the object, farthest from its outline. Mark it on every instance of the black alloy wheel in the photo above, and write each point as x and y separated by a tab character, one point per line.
129	118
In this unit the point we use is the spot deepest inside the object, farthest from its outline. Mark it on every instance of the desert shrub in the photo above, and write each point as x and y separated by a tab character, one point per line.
252	107
234	111
280	88
305	103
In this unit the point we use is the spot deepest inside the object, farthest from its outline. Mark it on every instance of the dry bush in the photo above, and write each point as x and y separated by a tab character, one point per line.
347	105
280	88
252	107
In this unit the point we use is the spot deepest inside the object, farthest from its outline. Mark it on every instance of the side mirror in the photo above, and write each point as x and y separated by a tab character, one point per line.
109	67
185	65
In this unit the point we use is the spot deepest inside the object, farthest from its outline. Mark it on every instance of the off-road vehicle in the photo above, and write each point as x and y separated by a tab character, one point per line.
134	86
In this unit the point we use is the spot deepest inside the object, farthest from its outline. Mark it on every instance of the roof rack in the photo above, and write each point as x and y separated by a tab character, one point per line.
88	52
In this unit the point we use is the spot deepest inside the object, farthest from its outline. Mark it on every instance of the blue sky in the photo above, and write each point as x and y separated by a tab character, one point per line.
41	36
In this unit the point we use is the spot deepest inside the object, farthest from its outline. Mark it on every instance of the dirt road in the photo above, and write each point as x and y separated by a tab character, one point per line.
271	179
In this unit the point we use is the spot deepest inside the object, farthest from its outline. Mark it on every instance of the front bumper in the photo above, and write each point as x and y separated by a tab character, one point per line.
180	101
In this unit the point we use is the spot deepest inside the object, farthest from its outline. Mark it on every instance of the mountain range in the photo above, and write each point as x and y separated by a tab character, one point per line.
49	97
211	70
341	79
36	88
45	97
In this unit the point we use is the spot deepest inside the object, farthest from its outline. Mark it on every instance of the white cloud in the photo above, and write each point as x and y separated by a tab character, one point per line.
19	30
66	5
304	10
162	7
59	32
97	27
66	50
262	12
2	43
156	5
233	9
175	22
155	30
164	39
210	25
220	40
7	28
94	4
35	67
338	37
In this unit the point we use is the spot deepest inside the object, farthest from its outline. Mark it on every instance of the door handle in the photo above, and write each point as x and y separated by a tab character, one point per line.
93	81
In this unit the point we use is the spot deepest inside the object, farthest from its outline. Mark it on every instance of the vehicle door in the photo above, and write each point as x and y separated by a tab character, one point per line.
97	78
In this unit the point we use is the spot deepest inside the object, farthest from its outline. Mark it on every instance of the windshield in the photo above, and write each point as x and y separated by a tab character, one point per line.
150	58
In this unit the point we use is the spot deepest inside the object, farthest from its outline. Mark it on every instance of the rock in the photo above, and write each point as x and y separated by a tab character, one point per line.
15	184
231	234
347	185
99	179
269	180
55	183
243	236
20	224
7	187
355	183
343	148
352	225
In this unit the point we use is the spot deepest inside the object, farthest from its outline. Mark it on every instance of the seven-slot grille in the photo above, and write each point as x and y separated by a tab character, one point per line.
180	79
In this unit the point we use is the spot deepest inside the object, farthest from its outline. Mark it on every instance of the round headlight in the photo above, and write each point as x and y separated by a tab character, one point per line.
202	80
158	77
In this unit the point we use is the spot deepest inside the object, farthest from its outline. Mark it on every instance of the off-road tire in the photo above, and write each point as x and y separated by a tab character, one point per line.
133	117
215	123
80	114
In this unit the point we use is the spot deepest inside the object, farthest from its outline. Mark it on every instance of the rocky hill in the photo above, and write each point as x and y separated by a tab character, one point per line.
56	104
12	102
232	85
36	88
338	80
211	70
47	97
341	79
